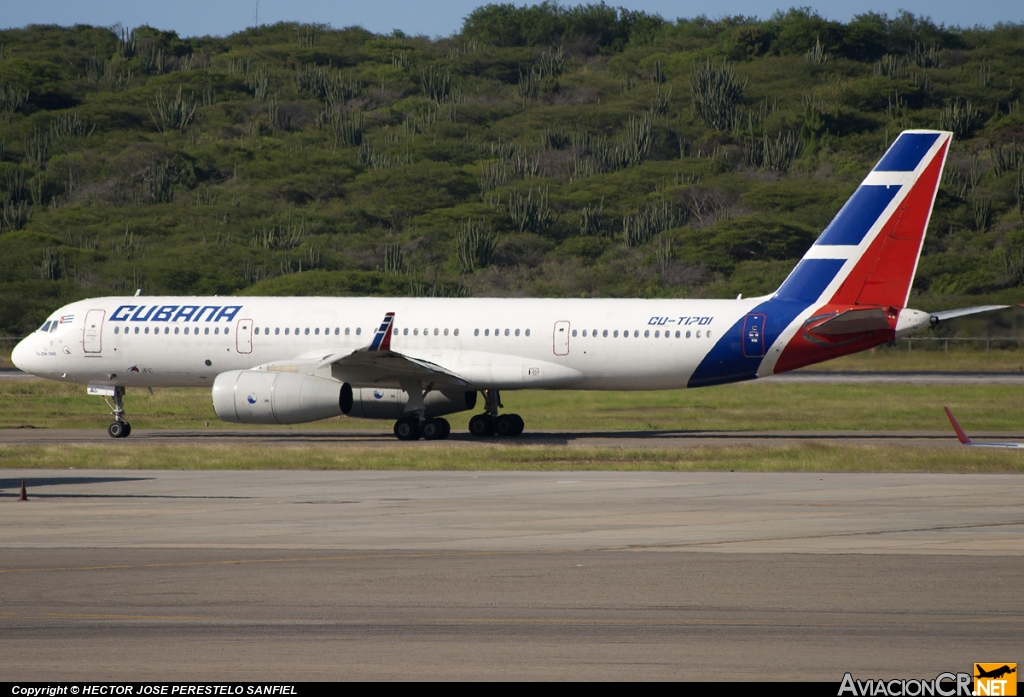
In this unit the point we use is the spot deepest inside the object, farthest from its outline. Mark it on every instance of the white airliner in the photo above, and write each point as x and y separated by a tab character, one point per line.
294	360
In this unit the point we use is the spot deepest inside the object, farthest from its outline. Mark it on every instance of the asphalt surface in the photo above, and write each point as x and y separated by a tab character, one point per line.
205	575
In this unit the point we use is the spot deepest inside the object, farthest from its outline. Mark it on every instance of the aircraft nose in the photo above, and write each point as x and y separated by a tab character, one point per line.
21	354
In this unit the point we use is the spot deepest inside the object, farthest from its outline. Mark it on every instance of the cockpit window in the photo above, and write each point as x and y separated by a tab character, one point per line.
45	327
53	326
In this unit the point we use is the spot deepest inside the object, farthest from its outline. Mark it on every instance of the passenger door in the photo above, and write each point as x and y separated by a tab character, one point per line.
753	336
92	332
560	340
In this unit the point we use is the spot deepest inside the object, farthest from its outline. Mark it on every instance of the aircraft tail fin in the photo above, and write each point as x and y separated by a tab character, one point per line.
868	254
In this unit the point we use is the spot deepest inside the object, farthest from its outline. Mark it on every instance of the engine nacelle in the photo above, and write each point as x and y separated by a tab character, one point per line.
377	403
251	397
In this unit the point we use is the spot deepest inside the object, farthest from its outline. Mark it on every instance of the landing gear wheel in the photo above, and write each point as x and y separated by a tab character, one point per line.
509	425
482	425
435	429
118	428
408	428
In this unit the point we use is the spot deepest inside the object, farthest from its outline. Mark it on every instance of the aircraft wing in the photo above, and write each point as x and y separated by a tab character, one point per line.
377	364
963	437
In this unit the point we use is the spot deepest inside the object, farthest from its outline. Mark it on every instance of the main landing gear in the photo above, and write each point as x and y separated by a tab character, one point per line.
490	423
118	428
410	428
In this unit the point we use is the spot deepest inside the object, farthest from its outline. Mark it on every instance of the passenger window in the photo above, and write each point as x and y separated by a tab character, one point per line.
307	331
175	330
476	332
226	330
687	334
584	333
186	330
446	331
117	330
337	330
573	332
416	332
698	333
456	331
605	333
136	330
217	330
708	334
435	331
527	332
256	331
636	333
487	332
317	331
647	333
657	334
346	331
287	331
615	334
167	330
359	330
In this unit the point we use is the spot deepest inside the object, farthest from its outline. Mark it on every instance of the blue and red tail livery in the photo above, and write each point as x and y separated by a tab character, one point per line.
863	261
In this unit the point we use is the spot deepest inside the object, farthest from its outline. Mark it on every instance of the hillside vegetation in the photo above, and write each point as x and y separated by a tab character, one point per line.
543	151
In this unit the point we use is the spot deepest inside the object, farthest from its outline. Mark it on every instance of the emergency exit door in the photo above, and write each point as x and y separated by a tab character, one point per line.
243	336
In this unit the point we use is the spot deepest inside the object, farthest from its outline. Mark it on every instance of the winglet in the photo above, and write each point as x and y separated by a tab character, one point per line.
382	339
961	436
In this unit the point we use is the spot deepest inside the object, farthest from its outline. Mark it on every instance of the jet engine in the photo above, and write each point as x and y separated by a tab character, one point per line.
271	397
377	403
251	397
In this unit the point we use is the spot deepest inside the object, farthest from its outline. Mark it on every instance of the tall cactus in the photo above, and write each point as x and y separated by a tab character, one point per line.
716	92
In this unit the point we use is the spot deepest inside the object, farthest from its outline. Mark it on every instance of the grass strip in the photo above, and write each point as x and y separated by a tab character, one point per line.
746	406
803	457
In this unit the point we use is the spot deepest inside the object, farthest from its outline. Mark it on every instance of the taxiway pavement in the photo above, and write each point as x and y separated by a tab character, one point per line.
206	575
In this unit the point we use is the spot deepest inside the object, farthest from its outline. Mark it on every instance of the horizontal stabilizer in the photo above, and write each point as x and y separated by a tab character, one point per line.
950	314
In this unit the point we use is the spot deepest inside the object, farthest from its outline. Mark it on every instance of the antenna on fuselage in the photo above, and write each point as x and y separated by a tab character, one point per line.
138	291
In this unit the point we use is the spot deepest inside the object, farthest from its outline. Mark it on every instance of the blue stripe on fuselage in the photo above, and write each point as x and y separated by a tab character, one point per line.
726	362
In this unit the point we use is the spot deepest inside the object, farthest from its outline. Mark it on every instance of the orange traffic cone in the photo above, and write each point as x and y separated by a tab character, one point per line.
23	497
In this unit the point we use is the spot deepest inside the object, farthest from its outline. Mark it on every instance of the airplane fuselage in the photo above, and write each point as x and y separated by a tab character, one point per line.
492	343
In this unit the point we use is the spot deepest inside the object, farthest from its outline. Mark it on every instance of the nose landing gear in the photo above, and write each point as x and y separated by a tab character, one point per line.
490	423
118	428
